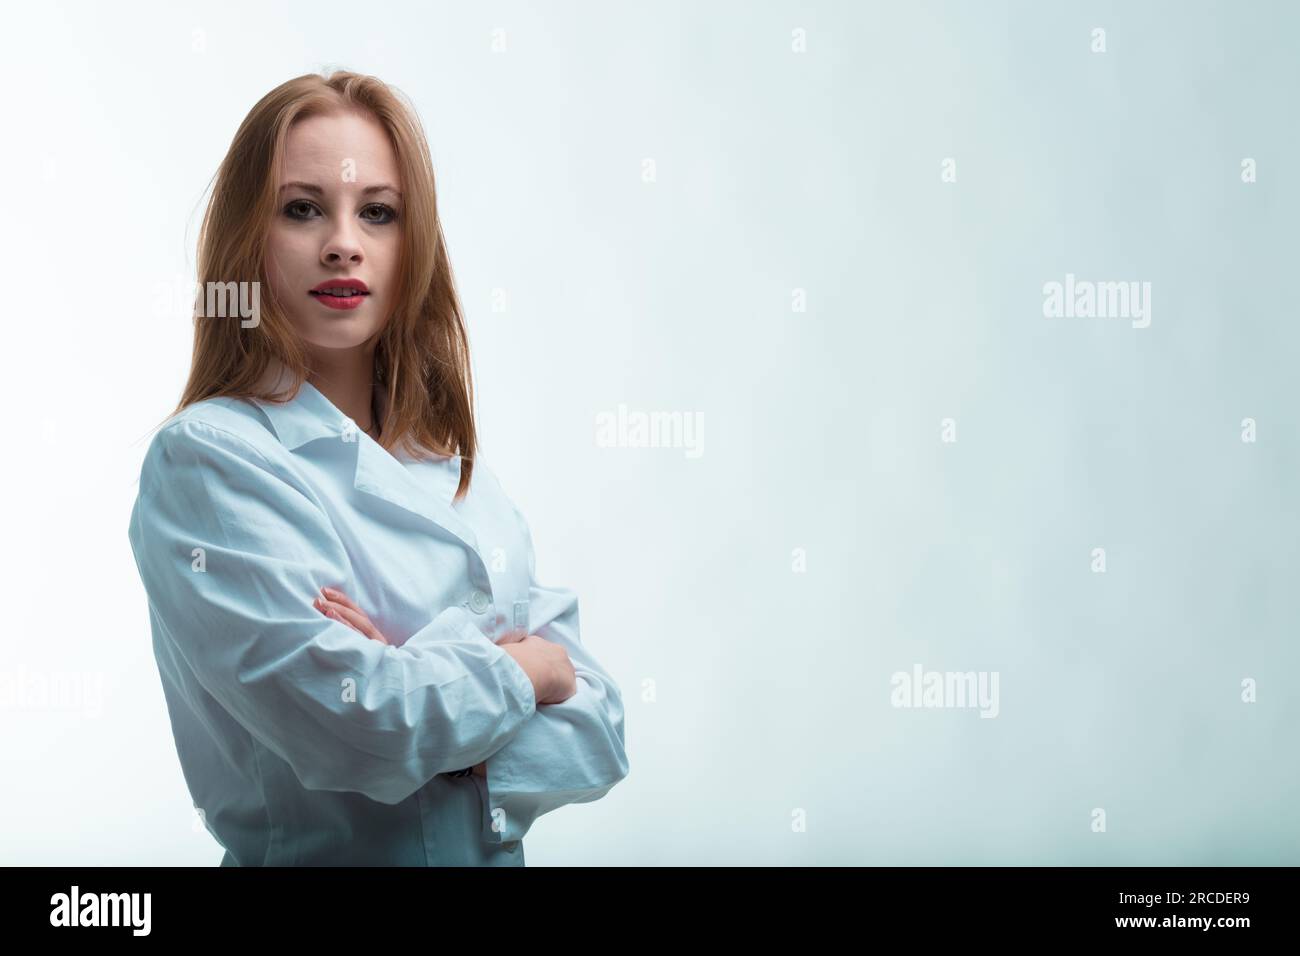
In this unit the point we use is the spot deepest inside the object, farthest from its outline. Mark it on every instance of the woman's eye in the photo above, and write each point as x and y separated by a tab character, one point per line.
388	212
298	204
378	213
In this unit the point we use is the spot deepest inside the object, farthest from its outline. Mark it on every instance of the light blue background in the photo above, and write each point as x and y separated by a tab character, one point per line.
753	693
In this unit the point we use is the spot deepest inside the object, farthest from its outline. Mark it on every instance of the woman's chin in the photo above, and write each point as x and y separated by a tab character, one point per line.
346	335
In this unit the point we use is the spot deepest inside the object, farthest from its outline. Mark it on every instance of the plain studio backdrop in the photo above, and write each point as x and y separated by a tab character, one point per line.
821	234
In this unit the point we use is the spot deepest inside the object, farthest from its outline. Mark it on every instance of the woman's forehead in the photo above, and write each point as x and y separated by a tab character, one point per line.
325	148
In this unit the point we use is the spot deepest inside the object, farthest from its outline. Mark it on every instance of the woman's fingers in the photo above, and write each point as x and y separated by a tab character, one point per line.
353	614
336	595
335	610
345	614
355	619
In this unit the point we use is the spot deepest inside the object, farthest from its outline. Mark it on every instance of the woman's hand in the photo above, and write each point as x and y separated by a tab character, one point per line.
547	665
334	603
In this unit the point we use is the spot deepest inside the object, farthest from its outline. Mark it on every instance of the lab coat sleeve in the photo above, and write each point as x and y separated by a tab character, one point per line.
569	752
232	551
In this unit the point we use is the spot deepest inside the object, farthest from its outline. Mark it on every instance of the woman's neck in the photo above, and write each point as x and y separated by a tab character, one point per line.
346	378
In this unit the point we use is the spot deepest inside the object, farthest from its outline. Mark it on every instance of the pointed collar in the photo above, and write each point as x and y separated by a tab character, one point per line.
307	416
425	487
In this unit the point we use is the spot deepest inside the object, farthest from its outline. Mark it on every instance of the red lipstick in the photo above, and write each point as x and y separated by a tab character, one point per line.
340	293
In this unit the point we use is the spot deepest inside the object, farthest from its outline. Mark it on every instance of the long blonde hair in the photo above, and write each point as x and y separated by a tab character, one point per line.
422	354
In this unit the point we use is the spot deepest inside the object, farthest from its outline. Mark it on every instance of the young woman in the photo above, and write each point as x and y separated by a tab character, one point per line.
359	664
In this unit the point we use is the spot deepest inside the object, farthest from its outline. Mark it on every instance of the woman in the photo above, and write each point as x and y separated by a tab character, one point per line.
359	664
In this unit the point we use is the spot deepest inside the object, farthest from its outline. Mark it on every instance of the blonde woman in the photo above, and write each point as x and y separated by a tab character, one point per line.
358	661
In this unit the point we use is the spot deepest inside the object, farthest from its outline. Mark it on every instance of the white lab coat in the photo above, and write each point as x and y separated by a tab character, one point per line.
304	742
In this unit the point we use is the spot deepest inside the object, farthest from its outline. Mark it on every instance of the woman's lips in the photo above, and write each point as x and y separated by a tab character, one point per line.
339	301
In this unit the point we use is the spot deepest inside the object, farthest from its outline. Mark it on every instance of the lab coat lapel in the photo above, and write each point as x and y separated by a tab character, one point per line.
379	474
423	488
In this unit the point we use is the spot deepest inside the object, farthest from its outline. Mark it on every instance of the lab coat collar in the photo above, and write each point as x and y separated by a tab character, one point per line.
307	416
422	487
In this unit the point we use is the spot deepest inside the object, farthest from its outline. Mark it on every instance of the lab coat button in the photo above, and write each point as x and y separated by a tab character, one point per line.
479	602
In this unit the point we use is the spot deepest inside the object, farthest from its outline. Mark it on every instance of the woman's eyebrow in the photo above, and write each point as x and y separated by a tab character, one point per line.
317	190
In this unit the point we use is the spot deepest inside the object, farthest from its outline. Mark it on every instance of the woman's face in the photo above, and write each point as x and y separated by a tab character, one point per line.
336	218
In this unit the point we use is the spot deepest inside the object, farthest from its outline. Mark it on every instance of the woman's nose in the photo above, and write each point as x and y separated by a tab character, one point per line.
342	246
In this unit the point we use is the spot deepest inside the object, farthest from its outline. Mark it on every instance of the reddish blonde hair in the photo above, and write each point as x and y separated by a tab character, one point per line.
422	355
